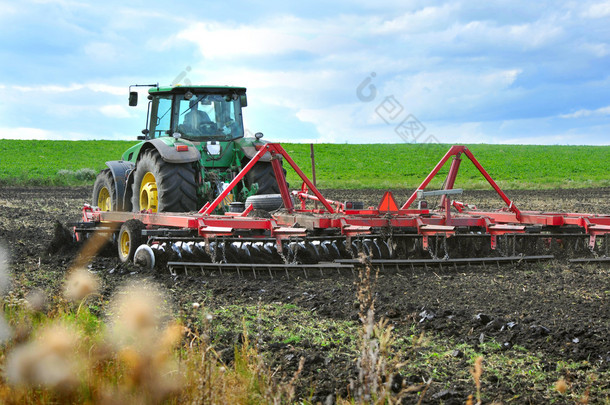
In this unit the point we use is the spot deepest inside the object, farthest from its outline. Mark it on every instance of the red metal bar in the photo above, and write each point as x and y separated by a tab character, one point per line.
278	149
210	209
509	203
454	150
161	219
313	170
304	195
281	182
453	171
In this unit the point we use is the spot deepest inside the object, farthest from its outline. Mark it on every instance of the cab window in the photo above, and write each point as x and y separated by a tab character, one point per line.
161	110
207	117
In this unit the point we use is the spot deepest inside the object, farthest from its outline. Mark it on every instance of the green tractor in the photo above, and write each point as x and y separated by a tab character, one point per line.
192	148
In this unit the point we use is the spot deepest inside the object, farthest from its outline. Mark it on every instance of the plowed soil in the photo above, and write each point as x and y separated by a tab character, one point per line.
558	312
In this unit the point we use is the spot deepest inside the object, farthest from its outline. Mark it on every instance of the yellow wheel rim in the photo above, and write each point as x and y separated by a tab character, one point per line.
125	243
104	201
148	193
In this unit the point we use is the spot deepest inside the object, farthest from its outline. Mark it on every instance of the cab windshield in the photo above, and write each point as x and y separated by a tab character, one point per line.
202	117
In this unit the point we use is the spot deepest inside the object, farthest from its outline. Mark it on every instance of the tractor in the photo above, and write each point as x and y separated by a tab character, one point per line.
191	149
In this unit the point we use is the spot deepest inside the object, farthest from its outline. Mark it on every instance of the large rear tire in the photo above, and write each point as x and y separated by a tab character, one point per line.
262	174
160	186
104	191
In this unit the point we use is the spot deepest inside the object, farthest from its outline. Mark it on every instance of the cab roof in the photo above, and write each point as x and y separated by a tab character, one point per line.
198	89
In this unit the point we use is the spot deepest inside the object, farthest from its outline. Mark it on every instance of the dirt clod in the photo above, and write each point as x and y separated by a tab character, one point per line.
62	239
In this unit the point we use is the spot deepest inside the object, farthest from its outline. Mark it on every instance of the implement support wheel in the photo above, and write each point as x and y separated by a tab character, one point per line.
130	238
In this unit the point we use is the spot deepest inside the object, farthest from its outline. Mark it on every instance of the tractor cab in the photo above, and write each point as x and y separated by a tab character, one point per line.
196	113
191	150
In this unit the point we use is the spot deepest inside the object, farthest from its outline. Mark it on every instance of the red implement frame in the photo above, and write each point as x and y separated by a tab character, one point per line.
276	151
353	223
457	151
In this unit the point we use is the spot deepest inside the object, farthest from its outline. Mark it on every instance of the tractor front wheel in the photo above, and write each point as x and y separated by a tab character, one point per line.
104	192
160	186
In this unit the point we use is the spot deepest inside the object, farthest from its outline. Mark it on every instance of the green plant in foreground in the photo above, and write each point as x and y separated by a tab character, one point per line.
376	370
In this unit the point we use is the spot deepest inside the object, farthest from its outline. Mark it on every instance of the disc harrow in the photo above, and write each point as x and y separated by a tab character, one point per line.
299	240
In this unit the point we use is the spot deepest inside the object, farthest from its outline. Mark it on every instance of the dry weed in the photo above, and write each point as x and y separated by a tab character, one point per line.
79	284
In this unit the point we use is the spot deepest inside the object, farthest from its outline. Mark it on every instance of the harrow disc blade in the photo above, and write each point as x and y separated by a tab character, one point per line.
144	257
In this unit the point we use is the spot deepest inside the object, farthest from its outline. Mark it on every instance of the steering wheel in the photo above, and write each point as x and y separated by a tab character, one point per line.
207	127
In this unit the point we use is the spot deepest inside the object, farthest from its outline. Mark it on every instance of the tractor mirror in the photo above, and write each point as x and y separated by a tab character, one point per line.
243	100
133	98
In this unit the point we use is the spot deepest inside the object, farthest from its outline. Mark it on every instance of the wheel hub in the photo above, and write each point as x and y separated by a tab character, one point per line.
125	243
148	193
104	201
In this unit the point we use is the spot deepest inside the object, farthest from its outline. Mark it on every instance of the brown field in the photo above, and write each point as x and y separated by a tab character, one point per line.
533	324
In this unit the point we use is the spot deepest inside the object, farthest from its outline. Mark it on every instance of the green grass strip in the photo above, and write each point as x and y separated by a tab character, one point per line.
379	166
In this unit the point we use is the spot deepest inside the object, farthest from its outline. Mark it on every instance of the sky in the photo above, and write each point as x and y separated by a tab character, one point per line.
384	71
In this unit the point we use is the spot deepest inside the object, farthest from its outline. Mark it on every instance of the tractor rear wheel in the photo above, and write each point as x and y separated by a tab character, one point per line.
160	186
262	174
104	192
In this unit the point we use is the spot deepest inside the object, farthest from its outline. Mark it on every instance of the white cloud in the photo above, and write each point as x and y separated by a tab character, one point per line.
8	10
418	20
115	111
450	62
553	139
492	38
26	133
49	88
597	49
221	41
105	88
101	51
52	88
63	3
588	113
447	93
597	10
462	133
44	134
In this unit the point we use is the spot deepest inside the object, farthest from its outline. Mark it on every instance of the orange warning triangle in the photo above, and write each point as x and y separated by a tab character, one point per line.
388	203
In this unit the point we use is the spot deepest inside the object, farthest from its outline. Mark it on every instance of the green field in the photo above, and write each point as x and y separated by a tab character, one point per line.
337	165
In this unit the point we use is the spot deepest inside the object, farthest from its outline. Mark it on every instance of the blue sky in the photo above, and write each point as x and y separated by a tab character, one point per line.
345	71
